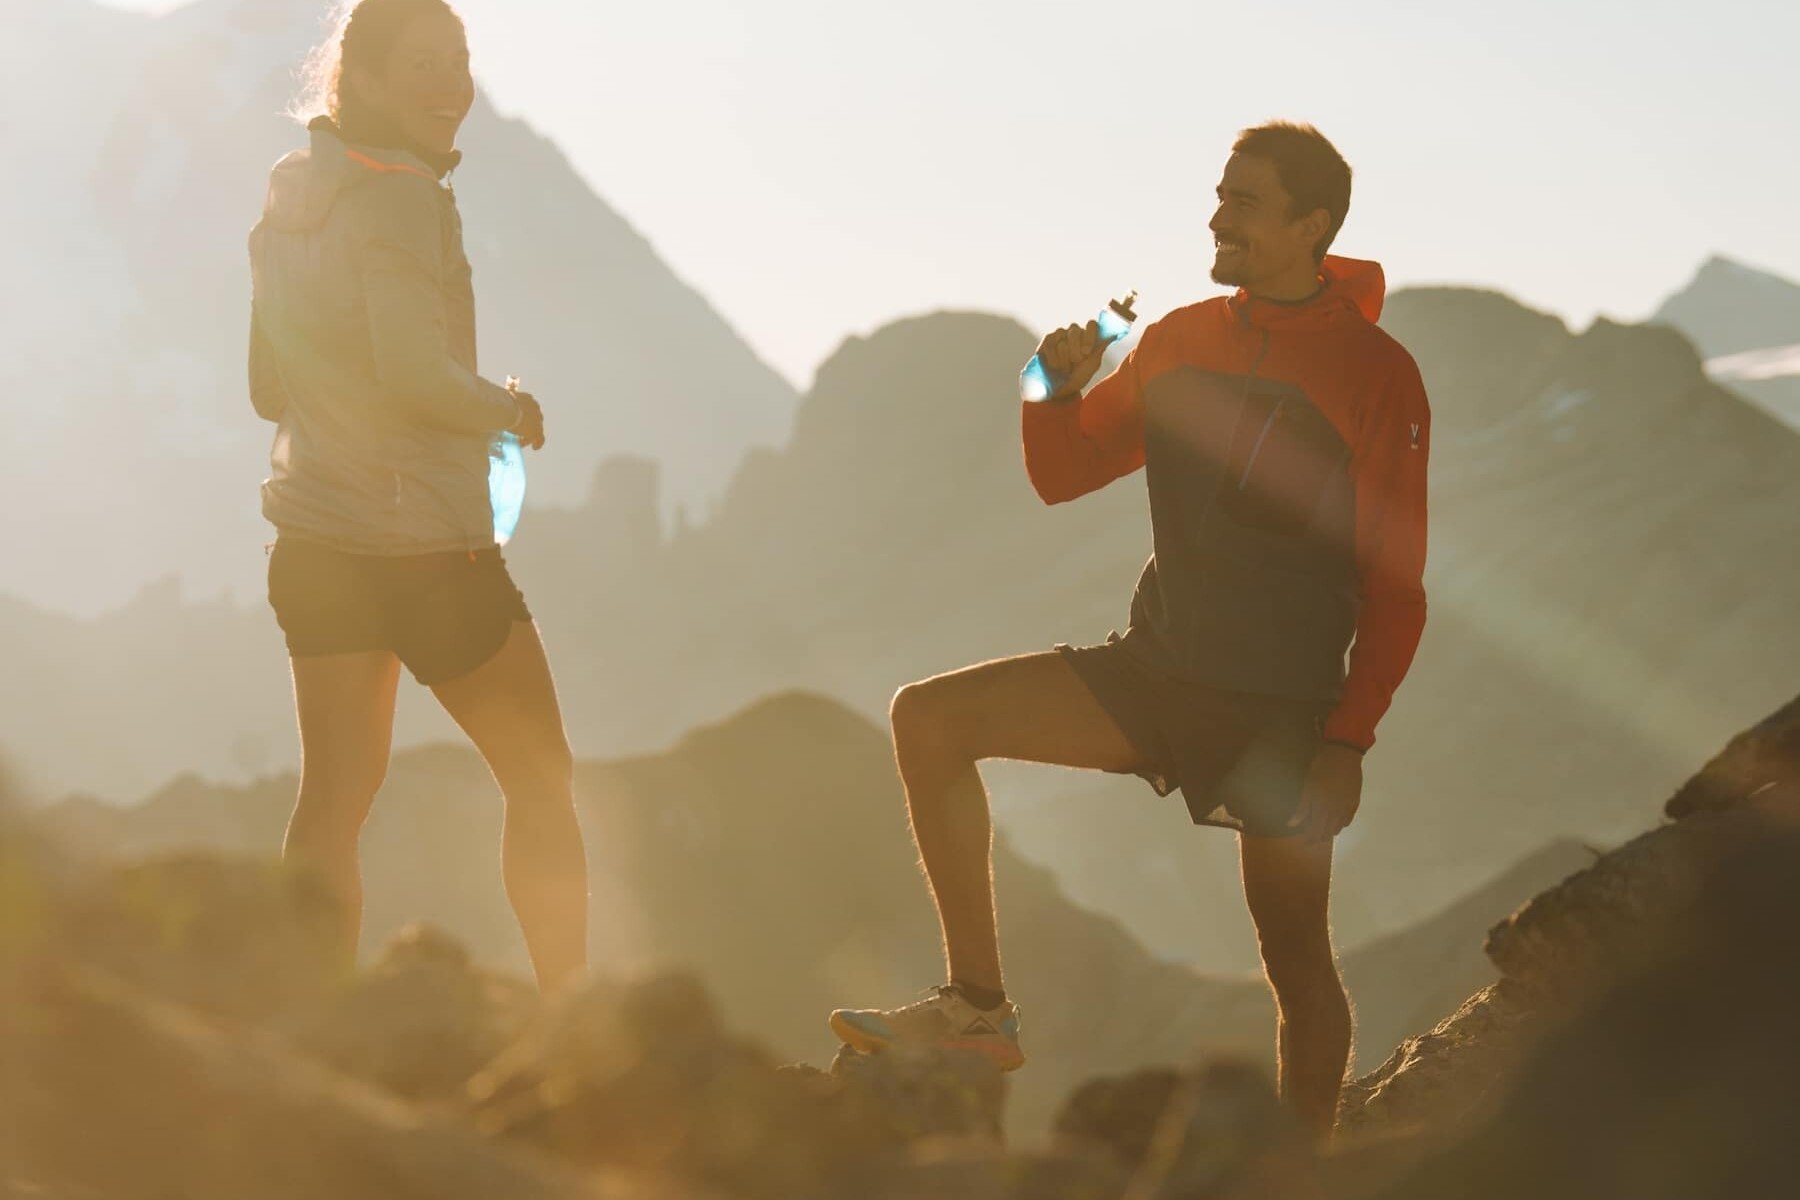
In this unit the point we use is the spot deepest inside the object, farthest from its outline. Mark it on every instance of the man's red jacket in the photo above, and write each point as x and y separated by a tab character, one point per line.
1285	447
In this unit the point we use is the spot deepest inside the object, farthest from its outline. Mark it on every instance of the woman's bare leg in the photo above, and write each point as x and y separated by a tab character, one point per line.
345	706
508	707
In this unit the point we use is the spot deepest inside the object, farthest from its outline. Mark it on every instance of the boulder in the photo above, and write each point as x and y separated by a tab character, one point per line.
1215	1131
421	1022
1445	1078
113	1092
234	938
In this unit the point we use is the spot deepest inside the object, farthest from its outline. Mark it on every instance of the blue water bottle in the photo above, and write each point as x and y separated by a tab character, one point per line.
1037	381
506	479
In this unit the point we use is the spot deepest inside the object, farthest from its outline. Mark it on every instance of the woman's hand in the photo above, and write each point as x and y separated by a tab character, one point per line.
530	426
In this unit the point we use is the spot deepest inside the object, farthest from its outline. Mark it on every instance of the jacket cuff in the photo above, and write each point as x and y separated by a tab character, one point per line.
1344	730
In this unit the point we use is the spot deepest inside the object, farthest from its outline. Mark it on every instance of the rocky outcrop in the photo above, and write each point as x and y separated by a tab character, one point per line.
1762	764
1215	1131
1445	1076
1676	1082
230	937
420	1022
1568	953
184	1015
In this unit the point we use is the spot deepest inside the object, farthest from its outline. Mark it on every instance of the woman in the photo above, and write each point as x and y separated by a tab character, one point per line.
363	351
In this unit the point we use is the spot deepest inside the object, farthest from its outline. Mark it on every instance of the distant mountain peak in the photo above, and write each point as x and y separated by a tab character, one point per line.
1729	307
1746	322
1720	264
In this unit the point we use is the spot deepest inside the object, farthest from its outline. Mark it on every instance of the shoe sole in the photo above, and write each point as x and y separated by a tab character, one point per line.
867	1043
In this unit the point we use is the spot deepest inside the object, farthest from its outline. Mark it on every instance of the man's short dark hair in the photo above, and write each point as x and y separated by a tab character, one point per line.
1314	174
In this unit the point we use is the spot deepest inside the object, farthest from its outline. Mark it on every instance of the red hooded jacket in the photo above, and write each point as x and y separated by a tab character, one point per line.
1285	448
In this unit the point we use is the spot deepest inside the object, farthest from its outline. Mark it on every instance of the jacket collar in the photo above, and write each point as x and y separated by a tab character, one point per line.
381	146
1346	286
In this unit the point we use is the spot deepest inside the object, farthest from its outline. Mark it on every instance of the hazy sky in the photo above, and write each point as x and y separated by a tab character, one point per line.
817	167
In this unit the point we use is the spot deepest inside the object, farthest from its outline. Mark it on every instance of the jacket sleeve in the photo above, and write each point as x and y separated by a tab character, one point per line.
1074	447
267	396
1388	465
401	265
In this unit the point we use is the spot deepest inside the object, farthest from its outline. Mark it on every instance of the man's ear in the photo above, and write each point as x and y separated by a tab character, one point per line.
1316	224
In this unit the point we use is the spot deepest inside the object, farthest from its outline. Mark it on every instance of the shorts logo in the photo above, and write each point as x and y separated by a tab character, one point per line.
1415	436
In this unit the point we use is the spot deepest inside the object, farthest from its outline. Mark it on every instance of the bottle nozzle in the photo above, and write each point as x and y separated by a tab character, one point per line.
1124	307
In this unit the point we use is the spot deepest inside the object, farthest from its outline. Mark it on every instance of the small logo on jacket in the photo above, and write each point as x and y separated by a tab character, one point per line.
1415	435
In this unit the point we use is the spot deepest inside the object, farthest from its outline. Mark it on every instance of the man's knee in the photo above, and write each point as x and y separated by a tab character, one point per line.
1297	959
917	716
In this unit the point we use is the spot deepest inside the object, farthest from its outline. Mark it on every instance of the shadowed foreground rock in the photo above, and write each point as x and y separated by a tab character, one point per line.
1642	1042
177	1028
645	1076
113	1093
1679	1083
420	1022
1574	944
1446	1076
925	1094
1216	1131
232	937
1761	763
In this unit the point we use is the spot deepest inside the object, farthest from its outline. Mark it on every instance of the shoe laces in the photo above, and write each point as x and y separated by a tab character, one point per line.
931	995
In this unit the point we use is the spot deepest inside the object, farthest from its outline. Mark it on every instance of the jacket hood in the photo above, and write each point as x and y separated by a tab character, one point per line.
1347	285
306	183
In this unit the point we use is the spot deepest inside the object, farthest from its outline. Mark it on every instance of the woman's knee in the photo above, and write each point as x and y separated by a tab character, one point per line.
332	810
543	765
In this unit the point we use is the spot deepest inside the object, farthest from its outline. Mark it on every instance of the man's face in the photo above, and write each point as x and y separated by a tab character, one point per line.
1256	237
425	87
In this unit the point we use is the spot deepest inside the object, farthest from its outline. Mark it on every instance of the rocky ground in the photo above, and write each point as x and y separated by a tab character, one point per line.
175	1027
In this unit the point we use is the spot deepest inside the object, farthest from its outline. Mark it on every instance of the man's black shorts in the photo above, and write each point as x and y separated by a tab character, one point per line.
443	615
1240	759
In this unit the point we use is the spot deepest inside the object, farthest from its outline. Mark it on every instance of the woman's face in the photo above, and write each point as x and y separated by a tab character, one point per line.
424	88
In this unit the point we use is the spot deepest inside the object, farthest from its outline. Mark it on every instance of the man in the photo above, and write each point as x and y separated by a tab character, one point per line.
1284	438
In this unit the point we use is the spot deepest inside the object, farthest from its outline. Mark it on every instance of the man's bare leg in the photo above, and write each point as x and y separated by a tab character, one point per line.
508	707
1031	709
1287	882
345	707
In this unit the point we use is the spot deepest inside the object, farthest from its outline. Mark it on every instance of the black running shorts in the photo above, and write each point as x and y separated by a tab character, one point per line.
443	615
1240	759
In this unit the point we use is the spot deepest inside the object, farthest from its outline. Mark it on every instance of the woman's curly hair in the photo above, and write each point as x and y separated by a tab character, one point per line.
363	32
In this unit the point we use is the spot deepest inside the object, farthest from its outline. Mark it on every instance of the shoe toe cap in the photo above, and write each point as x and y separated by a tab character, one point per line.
863	1021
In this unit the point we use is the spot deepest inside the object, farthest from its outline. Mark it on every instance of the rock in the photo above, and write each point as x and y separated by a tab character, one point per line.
925	1093
1574	943
1446	1078
112	1092
1119	1114
420	1022
965	1174
643	1076
1216	1131
1763	762
238	938
1677	1082
1575	939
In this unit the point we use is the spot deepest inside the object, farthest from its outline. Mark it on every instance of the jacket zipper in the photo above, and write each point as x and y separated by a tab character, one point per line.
1249	380
1256	448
